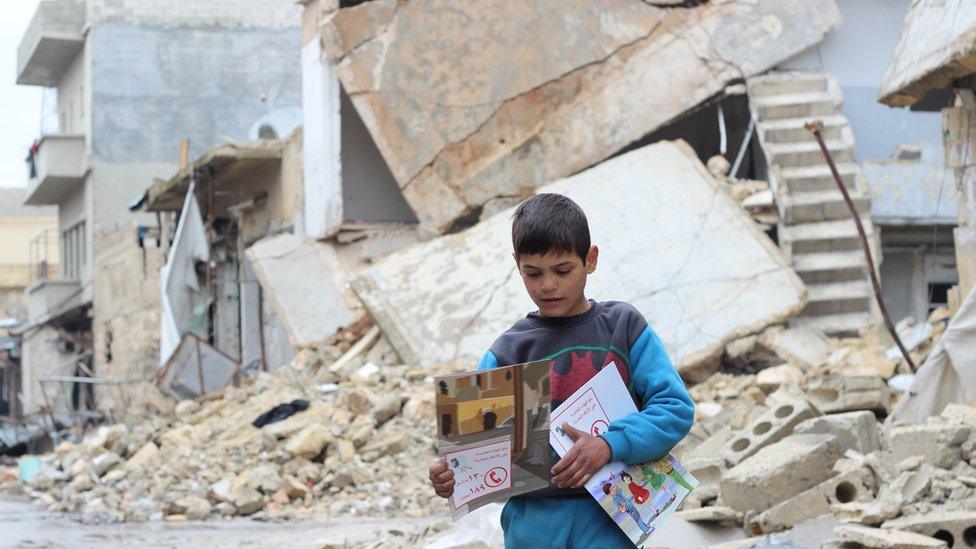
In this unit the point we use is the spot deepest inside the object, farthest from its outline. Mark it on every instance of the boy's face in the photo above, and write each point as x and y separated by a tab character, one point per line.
613	490
556	280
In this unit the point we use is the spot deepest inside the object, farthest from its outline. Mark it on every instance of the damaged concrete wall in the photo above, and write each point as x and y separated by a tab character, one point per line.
468	101
937	46
41	354
673	243
126	309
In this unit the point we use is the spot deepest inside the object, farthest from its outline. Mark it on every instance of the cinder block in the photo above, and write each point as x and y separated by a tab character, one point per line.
858	485
775	424
779	472
854	430
835	394
956	528
940	445
853	535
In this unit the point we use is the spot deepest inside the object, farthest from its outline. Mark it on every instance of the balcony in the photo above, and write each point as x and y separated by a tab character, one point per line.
53	39
51	297
59	167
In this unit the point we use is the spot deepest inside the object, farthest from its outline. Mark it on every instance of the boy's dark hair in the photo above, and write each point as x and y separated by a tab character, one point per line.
606	488
550	222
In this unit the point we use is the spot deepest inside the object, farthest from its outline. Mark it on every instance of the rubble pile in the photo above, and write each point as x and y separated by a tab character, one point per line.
804	436
356	443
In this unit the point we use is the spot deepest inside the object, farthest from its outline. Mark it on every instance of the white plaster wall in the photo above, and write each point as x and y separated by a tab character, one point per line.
226	13
322	134
73	110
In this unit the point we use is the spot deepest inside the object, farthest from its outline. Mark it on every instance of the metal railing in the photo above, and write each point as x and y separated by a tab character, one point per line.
43	255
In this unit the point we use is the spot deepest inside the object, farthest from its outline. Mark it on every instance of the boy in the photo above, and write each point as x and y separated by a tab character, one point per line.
579	336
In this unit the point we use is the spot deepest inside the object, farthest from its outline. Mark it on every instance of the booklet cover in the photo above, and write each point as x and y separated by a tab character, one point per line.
493	429
640	497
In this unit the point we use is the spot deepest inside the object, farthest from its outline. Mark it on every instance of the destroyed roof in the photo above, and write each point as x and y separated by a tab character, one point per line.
937	46
224	163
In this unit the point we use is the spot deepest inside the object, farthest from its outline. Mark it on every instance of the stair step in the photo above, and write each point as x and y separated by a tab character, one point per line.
787	82
824	236
838	297
792	130
825	205
822	267
793	155
835	324
795	105
818	177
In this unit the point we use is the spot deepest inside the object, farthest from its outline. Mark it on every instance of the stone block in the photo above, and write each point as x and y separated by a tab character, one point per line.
956	528
143	458
858	485
775	424
939	445
309	442
779	472
715	513
854	430
835	394
852	535
447	299
774	377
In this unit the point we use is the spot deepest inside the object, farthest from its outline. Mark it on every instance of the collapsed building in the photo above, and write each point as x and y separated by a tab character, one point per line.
343	263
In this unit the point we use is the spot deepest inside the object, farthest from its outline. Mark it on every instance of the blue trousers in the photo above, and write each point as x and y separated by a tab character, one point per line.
564	522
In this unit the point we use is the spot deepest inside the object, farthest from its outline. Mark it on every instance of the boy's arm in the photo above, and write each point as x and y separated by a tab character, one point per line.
667	413
488	361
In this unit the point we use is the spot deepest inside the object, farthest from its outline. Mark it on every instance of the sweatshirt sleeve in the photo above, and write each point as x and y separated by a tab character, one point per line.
667	412
488	361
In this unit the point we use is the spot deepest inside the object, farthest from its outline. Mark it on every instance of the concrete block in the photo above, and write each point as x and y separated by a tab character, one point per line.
779	472
835	394
939	445
771	379
447	299
715	513
774	425
852	535
854	430
708	471
956	528
858	485
803	346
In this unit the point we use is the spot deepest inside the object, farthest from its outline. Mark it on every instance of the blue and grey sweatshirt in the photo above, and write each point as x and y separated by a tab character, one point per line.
577	348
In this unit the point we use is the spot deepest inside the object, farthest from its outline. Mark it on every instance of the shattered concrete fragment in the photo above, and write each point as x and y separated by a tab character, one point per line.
834	394
848	487
304	281
770	379
194	507
447	299
939	445
951	526
460	119
803	346
714	513
184	408
854	430
774	425
309	442
143	458
876	538
104	462
780	471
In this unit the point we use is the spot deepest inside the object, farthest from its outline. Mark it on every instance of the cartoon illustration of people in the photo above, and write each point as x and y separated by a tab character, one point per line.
656	472
625	505
639	492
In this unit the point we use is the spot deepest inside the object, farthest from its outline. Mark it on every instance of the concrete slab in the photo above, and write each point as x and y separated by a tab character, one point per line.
473	100
937	46
305	283
447	299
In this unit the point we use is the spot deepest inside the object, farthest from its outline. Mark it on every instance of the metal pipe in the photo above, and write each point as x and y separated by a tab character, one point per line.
815	127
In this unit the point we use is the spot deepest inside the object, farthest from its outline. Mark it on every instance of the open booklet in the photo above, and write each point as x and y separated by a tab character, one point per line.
639	497
493	429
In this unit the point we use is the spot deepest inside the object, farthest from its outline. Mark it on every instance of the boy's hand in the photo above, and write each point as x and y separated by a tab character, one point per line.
441	478
587	456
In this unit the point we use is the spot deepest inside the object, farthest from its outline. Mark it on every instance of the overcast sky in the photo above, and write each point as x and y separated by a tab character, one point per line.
20	105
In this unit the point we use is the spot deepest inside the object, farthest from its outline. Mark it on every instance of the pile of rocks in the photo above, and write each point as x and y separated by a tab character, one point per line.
802	438
360	448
